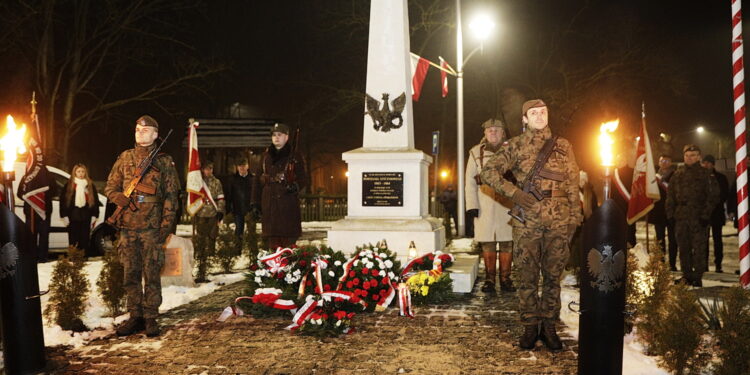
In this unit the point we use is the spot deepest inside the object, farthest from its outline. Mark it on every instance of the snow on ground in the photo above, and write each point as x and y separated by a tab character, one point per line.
96	311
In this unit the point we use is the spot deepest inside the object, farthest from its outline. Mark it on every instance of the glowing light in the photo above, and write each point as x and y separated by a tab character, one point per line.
482	26
11	143
606	142
700	129
346	174
444	174
412	250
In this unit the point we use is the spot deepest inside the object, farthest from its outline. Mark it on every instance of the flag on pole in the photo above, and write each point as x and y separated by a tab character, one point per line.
32	188
444	76
419	67
197	190
645	190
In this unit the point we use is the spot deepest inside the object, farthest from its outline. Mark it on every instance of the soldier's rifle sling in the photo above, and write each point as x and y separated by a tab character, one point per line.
141	171
537	170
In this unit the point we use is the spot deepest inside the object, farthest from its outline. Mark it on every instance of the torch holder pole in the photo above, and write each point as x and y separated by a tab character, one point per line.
607	182
20	305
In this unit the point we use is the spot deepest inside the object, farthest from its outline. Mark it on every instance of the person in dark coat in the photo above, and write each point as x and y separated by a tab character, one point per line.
449	200
79	207
665	233
239	197
718	216
276	189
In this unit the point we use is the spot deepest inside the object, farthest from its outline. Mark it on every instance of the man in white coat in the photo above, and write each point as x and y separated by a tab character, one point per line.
489	210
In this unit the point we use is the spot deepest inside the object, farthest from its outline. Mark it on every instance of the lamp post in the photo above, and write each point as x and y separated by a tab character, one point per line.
482	27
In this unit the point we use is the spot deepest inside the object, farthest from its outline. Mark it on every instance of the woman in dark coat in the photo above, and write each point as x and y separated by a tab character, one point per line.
79	207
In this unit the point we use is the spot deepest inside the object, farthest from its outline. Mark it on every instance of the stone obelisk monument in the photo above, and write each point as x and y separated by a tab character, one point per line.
387	186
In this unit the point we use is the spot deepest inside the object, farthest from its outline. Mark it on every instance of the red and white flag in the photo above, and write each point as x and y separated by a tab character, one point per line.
645	189
197	190
419	67
444	76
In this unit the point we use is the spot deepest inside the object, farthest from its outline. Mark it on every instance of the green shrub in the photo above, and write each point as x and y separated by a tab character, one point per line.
734	336
68	291
651	307
226	248
110	283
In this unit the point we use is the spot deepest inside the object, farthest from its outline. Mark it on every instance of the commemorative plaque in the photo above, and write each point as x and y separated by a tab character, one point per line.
383	189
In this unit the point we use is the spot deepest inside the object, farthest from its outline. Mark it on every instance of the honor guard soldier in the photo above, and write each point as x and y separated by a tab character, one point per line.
546	213
207	220
147	219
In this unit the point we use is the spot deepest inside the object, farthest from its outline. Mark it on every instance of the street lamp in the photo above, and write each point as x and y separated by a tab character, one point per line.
482	26
700	129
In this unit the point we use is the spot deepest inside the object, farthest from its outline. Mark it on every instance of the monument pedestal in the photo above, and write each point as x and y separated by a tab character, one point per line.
388	199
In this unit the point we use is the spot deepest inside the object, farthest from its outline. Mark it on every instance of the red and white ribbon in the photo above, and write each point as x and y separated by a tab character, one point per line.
303	314
437	262
404	301
738	78
269	293
274	262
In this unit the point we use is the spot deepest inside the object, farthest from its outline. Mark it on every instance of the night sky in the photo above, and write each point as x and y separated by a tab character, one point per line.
304	62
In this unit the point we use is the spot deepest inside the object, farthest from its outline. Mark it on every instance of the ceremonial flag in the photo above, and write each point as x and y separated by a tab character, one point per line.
419	67
444	76
197	190
645	189
32	188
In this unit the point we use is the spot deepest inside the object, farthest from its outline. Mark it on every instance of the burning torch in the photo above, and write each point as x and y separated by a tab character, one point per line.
602	278
22	334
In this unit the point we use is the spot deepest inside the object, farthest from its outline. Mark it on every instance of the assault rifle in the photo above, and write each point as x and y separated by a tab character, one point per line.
141	171
289	174
529	185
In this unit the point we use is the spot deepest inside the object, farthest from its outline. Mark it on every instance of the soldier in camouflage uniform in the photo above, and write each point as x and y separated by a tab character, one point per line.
144	231
207	220
542	242
692	195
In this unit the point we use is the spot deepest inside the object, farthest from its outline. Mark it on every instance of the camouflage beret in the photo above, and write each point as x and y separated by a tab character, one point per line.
493	123
690	147
533	103
207	164
281	128
147	120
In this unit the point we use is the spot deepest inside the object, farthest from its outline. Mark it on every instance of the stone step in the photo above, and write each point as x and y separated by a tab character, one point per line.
464	272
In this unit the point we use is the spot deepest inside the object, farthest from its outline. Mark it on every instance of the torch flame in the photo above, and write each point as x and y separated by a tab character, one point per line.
12	143
606	142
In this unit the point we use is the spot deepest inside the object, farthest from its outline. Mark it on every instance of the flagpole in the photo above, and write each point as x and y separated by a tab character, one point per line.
740	141
460	225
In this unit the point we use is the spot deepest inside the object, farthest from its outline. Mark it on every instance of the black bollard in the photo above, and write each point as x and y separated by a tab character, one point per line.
602	280
20	305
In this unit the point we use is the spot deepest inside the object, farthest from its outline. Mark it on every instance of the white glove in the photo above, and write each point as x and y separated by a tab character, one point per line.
65	221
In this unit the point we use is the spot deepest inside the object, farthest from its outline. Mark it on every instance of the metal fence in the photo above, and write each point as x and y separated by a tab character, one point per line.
325	208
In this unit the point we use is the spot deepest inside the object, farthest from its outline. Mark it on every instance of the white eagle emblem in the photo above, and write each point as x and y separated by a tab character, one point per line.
8	260
606	268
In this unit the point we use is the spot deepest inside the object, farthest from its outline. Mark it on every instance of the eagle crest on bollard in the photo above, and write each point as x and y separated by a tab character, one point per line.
383	118
607	268
8	260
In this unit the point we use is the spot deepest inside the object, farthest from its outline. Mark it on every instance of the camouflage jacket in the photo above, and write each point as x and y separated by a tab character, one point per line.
693	193
217	193
519	157
161	180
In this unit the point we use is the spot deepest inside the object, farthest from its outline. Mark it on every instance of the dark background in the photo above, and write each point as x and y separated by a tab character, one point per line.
304	62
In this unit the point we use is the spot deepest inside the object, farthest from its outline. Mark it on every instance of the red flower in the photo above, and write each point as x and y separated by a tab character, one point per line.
315	316
304	254
349	285
350	315
341	314
325	316
386	281
431	256
375	297
280	275
374	283
361	292
351	274
302	263
355	281
254	267
354	299
326	287
365	271
366	286
308	282
383	292
375	272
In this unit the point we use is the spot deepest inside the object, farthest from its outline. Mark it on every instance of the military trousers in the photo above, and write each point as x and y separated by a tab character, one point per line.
142	255
692	241
539	250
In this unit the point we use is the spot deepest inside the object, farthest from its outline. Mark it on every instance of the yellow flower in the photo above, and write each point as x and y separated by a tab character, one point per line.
424	290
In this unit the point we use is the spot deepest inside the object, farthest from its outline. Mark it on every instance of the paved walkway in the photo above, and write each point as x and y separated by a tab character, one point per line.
473	335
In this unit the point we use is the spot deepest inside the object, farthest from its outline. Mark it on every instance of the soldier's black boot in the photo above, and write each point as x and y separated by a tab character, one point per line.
152	327
506	285
529	336
549	336
131	326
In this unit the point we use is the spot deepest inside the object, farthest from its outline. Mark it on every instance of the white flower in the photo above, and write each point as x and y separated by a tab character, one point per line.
258	280
391	275
370	265
297	273
381	273
356	262
330	273
338	323
388	263
383	255
337	263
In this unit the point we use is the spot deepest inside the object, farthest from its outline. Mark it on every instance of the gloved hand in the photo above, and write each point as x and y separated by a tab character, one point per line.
472	213
292	188
121	200
65	221
219	216
523	199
